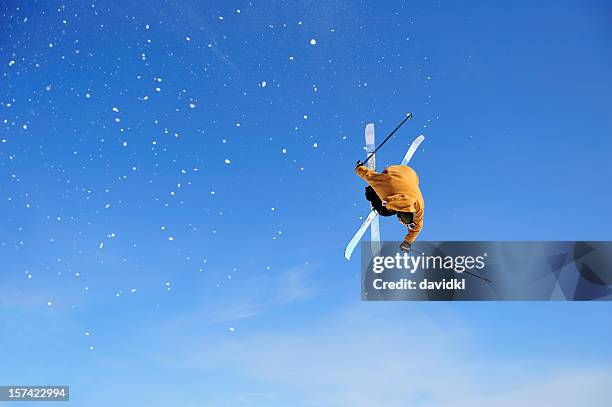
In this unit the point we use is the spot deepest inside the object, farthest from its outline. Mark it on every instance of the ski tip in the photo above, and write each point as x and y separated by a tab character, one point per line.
369	134
409	115
347	255
419	139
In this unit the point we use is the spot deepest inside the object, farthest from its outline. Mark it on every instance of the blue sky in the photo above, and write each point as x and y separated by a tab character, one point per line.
177	189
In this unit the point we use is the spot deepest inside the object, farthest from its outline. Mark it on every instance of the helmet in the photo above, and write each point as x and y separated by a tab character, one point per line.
406	217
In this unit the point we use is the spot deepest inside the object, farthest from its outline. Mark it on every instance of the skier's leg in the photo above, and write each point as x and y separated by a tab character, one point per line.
372	197
377	202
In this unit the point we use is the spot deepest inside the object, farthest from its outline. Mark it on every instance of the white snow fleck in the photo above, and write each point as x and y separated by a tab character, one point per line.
116	109
305	117
313	42
192	105
11	63
212	192
101	245
49	303
284	151
125	144
91	348
107	205
171	238
133	290
88	95
232	329
315	145
147	26
227	161
25	126
188	38
87	333
264	84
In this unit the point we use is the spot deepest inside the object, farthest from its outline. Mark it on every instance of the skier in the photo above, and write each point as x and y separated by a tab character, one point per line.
396	191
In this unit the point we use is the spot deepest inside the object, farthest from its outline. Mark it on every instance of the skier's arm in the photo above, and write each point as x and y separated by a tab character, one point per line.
414	232
366	173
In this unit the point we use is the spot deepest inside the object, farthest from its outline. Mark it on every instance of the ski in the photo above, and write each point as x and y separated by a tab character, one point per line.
370	145
348	252
412	149
370	149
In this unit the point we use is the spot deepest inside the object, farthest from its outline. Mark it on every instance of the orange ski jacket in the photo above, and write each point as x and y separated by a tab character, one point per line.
398	186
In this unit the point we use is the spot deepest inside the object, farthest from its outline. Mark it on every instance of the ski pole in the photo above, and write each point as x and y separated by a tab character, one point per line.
477	276
464	271
408	116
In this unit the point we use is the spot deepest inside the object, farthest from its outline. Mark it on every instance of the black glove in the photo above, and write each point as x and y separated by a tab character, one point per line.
359	164
405	247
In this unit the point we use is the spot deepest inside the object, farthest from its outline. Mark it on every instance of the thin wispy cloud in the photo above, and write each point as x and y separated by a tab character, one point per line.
362	357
